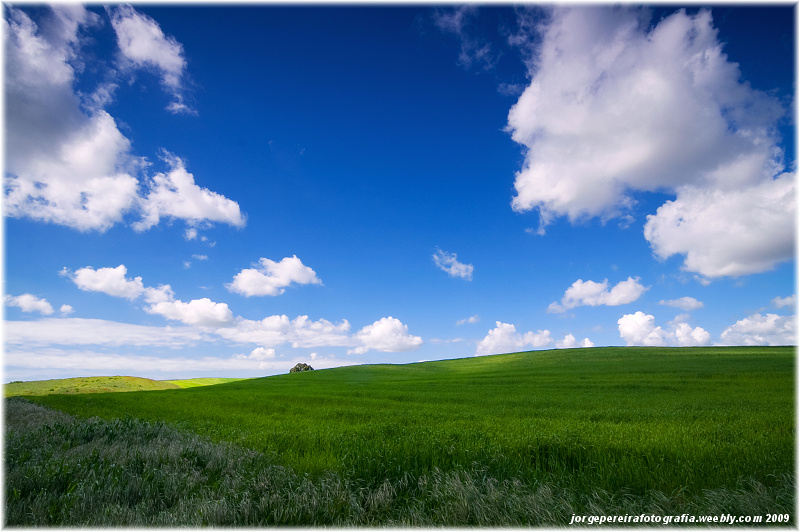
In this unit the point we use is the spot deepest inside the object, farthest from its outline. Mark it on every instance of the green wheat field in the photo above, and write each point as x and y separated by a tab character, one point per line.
524	439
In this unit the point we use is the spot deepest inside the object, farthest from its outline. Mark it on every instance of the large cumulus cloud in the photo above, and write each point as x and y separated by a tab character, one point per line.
616	107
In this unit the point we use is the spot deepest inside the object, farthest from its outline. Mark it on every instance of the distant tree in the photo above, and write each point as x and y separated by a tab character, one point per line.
300	366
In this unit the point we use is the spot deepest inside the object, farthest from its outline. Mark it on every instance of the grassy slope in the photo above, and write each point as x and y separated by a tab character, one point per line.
62	471
635	419
204	381
81	385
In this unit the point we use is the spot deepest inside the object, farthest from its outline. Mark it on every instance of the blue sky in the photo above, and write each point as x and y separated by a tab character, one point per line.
227	191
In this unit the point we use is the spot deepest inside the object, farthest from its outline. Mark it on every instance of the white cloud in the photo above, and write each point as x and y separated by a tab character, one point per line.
641	329
81	331
63	34
727	232
67	162
259	353
504	338
270	278
569	342
276	330
684	303
70	362
471	319
453	20
307	333
143	44
175	195
111	281
594	294
56	342
761	330
202	312
161	300
63	166
474	51
448	262
30	303
388	335
686	336
188	264
614	107
66	310
445	340
161	294
79	184
781	302
270	331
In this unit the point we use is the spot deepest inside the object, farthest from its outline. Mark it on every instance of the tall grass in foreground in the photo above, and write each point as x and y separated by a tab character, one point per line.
64	471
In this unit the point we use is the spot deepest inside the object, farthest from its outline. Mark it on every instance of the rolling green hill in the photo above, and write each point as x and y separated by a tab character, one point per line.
623	426
202	381
104	385
607	413
79	385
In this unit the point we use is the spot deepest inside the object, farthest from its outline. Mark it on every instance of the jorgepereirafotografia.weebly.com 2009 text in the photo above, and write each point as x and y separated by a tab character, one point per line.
678	519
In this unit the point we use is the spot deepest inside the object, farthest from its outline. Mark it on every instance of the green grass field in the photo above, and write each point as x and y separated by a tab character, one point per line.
85	385
104	385
603	429
202	381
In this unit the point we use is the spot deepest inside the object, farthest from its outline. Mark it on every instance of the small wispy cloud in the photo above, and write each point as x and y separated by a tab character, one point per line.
781	302
471	319
188	264
142	44
683	303
474	50
448	262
